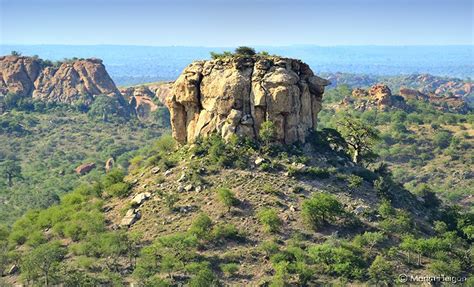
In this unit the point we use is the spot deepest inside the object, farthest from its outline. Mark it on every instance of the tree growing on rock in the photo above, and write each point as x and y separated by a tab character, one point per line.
360	137
245	51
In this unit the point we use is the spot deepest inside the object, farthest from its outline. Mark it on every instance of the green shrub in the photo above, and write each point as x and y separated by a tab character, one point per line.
227	197
321	208
229	268
270	220
381	271
119	189
225	231
201	226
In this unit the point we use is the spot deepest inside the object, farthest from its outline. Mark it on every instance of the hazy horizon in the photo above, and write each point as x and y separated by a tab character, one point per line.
225	23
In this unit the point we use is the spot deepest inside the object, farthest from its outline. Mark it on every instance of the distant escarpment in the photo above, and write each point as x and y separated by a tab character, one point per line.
235	95
67	82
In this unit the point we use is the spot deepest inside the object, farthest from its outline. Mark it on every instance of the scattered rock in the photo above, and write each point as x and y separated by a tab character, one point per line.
182	178
155	170
85	168
168	172
189	187
140	198
130	217
198	188
259	161
13	269
360	209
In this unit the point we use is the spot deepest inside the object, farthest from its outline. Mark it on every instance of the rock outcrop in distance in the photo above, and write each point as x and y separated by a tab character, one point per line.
71	81
235	95
380	97
141	98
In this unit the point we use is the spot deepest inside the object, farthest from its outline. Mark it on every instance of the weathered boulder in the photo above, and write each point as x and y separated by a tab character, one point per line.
140	198
381	94
18	74
130	217
66	82
236	95
85	168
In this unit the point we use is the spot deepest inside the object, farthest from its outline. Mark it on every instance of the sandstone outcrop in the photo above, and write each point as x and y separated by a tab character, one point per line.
67	82
381	95
236	95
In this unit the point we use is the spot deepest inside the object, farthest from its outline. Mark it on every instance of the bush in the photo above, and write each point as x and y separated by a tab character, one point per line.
320	209
204	278
442	139
227	197
270	220
381	271
245	51
267	132
343	261
120	189
201	226
230	268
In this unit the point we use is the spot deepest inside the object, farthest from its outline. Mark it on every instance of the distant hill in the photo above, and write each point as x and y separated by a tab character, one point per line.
130	65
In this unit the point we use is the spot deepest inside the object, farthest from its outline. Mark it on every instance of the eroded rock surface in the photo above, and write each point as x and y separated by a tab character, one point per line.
236	95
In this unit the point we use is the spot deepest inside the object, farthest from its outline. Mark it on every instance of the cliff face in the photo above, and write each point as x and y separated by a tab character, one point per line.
71	81
236	95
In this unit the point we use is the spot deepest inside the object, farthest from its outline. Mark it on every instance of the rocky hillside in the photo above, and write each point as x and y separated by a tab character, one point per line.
236	95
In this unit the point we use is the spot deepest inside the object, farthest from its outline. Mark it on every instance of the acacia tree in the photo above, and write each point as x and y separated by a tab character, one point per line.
360	137
43	261
10	169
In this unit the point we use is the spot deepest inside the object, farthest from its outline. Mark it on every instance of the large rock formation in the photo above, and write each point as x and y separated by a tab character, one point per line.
142	99
378	96
236	95
67	82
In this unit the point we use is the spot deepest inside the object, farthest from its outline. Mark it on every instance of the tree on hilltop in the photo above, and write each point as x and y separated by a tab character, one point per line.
245	51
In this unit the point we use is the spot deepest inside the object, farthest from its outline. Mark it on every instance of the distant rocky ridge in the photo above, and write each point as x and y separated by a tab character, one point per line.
75	81
380	97
69	82
235	95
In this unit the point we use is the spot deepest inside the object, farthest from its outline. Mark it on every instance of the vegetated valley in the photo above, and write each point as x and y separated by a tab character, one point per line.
382	188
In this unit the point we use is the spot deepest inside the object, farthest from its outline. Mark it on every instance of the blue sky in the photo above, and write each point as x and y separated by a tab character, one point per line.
237	22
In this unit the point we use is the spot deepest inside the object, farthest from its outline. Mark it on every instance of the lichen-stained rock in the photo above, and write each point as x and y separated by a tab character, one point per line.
236	95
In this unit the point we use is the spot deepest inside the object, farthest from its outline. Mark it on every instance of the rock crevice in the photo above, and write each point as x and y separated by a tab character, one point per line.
236	95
